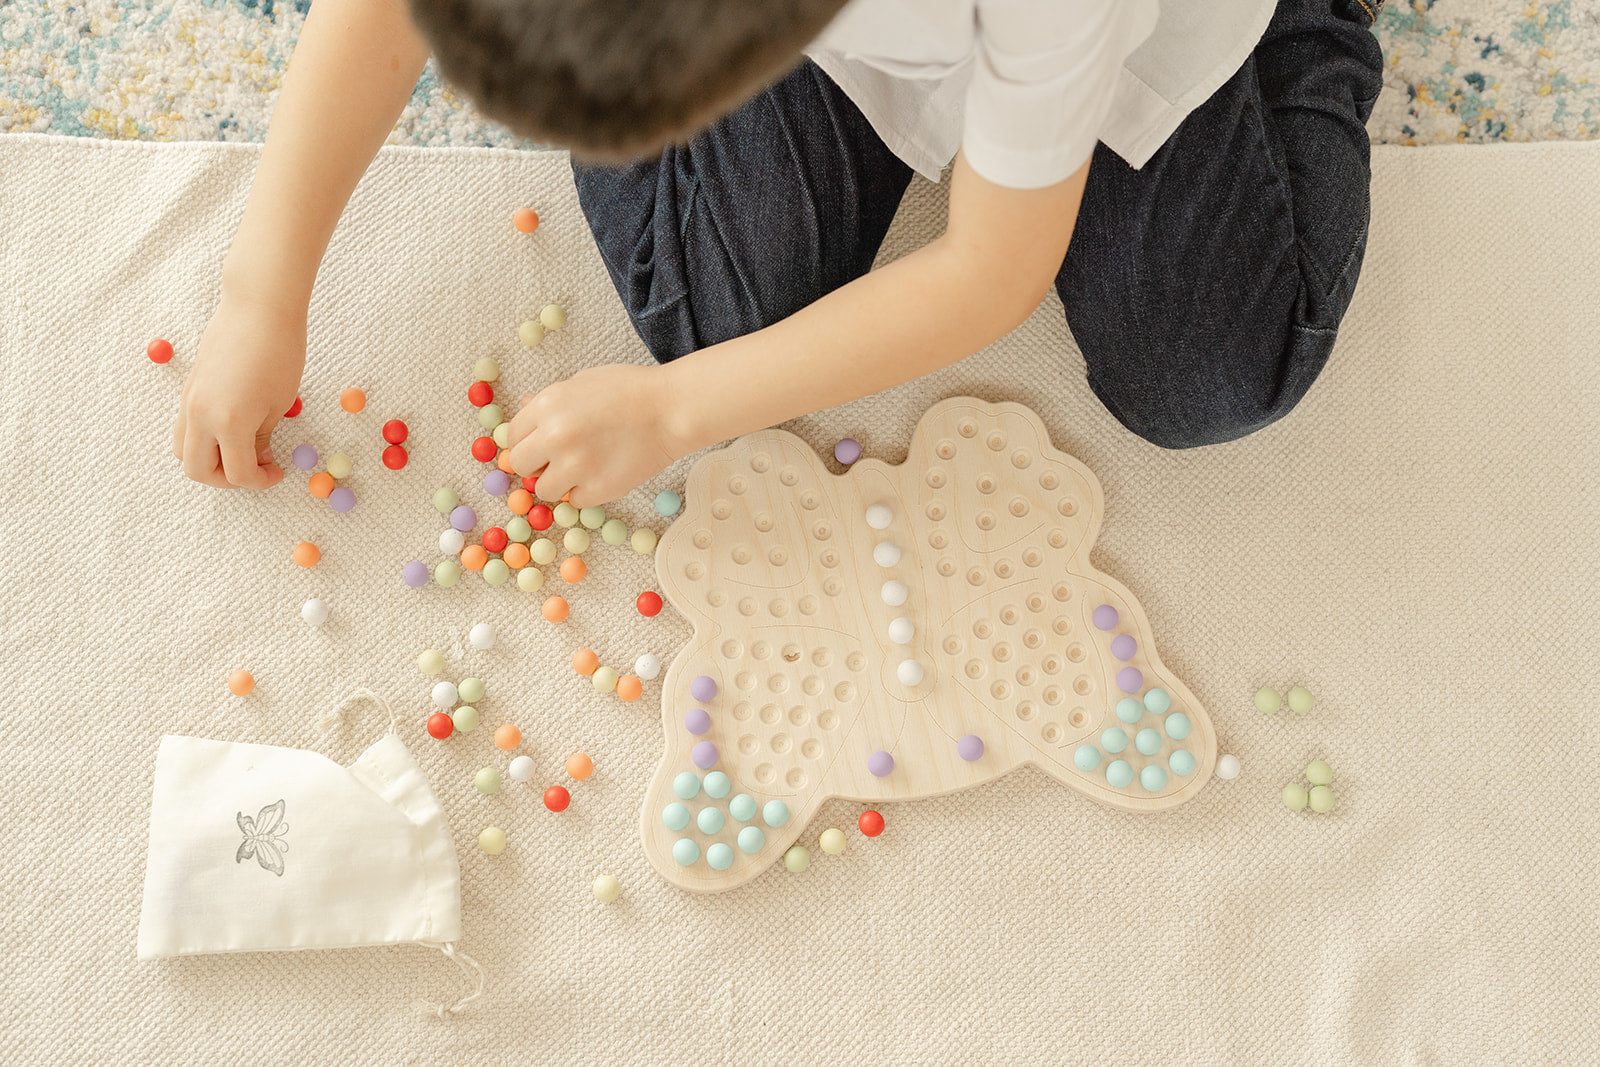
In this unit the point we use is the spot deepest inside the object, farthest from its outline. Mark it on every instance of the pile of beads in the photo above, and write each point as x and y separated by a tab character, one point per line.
551	317
1319	797
323	484
395	432
628	687
457	702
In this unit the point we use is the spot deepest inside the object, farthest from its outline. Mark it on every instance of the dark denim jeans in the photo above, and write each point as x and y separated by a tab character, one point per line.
1205	289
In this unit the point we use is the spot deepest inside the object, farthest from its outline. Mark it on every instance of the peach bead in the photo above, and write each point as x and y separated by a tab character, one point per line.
520	501
585	662
306	554
516	555
352	400
240	683
507	737
473	557
555	609
629	687
579	766
321	485
526	220
573	570
504	462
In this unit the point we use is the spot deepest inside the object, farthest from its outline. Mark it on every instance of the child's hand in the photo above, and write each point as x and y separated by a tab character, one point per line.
598	434
243	380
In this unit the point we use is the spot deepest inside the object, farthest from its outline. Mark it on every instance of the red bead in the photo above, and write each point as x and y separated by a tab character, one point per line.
484	450
440	725
540	516
159	351
495	539
556	798
649	604
480	393
395	432
529	482
394	457
294	409
871	823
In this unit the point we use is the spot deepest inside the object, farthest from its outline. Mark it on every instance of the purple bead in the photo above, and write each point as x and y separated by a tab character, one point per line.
880	763
847	451
497	483
415	574
342	499
463	518
1123	646
970	748
1105	617
1130	680
704	755
703	689
697	721
304	456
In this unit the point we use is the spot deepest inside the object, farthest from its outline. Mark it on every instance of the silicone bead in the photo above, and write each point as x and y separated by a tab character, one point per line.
629	688
517	529
342	499
1130	679
394	457
704	755
431	662
879	516
697	721
1123	646
530	332
1299	700
557	798
1228	766
490	416
847	451
1268	701
585	662
496	483
565	514
466	718
1319	773
894	593
614	532
339	465
901	631
604	680
507	738
530	579
1086	757
1178	726
643	541
1119	774
521	769
487	780
742	807
304	457
1114	739
751	839
552	316
320	485
592	518
686	785
675	816
480	393
719	856
1105	617
352	400
909	672
439	725
647	666
307	554
555	609
496	572
1153	778
648	604
576	541
1129	709
832	841
463	518
314	612
241	683
775	813
415	574
886	553
483	449
486	370
880	764
543	551
709	820
492	841
160	351
685	852
668	503
1147	742
1181	762
447	573
1158	701
1294	796
796	859
703	688
470	690
606	889
525	219
970	748
717	785
1321	798
452	541
445	500
444	694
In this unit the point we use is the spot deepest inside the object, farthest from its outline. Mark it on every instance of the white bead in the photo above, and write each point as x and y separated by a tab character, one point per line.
451	542
886	554
879	516
901	631
521	769
315	612
910	672
1228	766
481	636
647	666
894	593
444	695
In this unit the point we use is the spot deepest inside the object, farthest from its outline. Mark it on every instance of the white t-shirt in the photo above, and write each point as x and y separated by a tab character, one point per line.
1026	87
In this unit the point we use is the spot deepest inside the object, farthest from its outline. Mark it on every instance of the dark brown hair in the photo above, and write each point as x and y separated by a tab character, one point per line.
612	79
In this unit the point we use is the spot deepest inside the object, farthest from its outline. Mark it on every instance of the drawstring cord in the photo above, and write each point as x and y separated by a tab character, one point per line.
336	716
469	967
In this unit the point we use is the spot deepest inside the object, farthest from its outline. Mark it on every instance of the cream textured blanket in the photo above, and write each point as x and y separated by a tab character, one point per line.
1418	544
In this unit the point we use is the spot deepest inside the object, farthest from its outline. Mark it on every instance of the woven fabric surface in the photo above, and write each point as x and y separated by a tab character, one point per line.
1416	543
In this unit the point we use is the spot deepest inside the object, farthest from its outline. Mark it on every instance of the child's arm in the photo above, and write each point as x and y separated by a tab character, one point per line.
353	69
999	254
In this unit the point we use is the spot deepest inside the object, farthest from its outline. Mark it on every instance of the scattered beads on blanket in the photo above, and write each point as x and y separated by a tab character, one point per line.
847	451
576	541
395	432
606	889
444	694
1319	773
565	514
629	688
1300	700
573	570
495	539
668	503
320	485
649	604
521	769
614	532
480	394
579	766
585	662
352	400
431	662
555	609
1228	767
604	680
1295	797
304	457
870	823
466	718
531	332
159	351
342	499
447	573
294	409
526	220
394	457
487	780
556	798
463	518
1321	799
415	574
644	541
307	554
484	450
445	500
832	841
507	737
1268	701
481	636
486	369
647	666
452	541
543	550
440	725
530	580
492	841
241	683
490	416
796	859
314	612
552	316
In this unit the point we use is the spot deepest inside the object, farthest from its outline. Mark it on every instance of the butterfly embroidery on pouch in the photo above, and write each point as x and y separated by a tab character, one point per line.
263	838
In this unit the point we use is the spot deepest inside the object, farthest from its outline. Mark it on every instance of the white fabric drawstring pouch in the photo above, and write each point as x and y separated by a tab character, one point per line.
255	848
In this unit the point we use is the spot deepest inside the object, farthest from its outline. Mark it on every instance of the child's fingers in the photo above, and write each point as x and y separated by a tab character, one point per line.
178	426
527	456
240	466
555	483
202	462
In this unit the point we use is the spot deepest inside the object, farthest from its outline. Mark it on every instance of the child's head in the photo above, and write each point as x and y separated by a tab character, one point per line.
615	78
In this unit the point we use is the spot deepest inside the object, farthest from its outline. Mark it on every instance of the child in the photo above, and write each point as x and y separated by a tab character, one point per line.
1192	176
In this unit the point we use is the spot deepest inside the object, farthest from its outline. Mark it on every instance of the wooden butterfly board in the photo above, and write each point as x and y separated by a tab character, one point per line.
776	566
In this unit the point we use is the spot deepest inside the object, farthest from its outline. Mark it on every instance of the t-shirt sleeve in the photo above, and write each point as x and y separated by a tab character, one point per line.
1044	75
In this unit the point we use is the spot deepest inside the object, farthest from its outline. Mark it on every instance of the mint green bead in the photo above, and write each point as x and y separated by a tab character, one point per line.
751	839
1153	779
447	573
719	856
496	572
643	540
604	679
675	816
1119	774
576	541
1268	701
466	718
470	690
1319	773
543	551
1181	762
518	529
530	579
1147	742
1158	701
686	785
1086	758
614	532
501	435
742	807
1299	700
685	852
1294	797
1321	799
1114	739
592	518
709	820
487	780
717	785
445	500
490	416
1129	710
797	859
775	813
668	502
565	514
1178	726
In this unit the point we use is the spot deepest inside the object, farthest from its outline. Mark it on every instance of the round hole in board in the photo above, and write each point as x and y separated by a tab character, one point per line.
1051	732
981	629
761	463
935	511
1062	625
822	531
732	649
975	668
1019	507
1002	652
1000	689
749	745
778	556
1033	639
1049	480
808	605
745	680
1021	458
822	657
778	683
975	577
796	778
747	607
702	539
1068	506
1062	591
798	715
1025	675
1057	539
778	608
1032	557
844	692
790	653
1035	603
1026	710
1078	718
986	484
1052	664
694	572
1008	615
809	500
833	587
742	711
811	685
996	441
938	539
829	558
764	522
1082	686
761	650
1052	696
855	661
721	509
828	720
952	645
967	428
737	484
936	478
1004	569
770	714
789	476
947	567
780	743
765	773
716	598
986	520
945	449
810	749
740	554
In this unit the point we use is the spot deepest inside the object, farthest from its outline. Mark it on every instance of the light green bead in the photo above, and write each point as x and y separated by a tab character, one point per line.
543	551
447	573
466	718
492	840
531	332
496	572
614	532
431	662
644	541
1268	701
1158	701
501	435
553	316
487	780
530	579
606	889
339	465
565	514
486	370
1300	700
1294	796
604	679
1319	773
470	690
576	541
832	841
796	859
445	501
592	518
1321	799
490	416
518	529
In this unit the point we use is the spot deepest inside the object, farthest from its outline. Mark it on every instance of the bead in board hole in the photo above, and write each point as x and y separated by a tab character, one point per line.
742	807
685	852
1123	646
647	666
751	840
1086	757
556	798
847	451
480	394
395	432
1119	774
1159	701
1114	740
440	725
880	764
675	816
879	516
521	769
1148	742
697	721
704	755
1153	779
1178	726
774	813
1105	617
909	672
703	688
717	785
342	499
1181	762
686	785
415	574
832	841
870	823
709	820
970	748
1130	679
719	856
649	604
314	612
894	593
796	859
1130	710
886	553
294	409
304	457
606	888
901	631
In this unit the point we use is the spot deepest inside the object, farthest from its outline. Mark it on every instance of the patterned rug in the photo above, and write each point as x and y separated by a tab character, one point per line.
208	70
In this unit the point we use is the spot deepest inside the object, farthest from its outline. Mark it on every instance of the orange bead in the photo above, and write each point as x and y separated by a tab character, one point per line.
566	498
520	501
629	688
352	400
516	555
526	220
321	485
504	462
306	554
579	766
473	557
573	569
555	609
240	683
507	737
585	662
